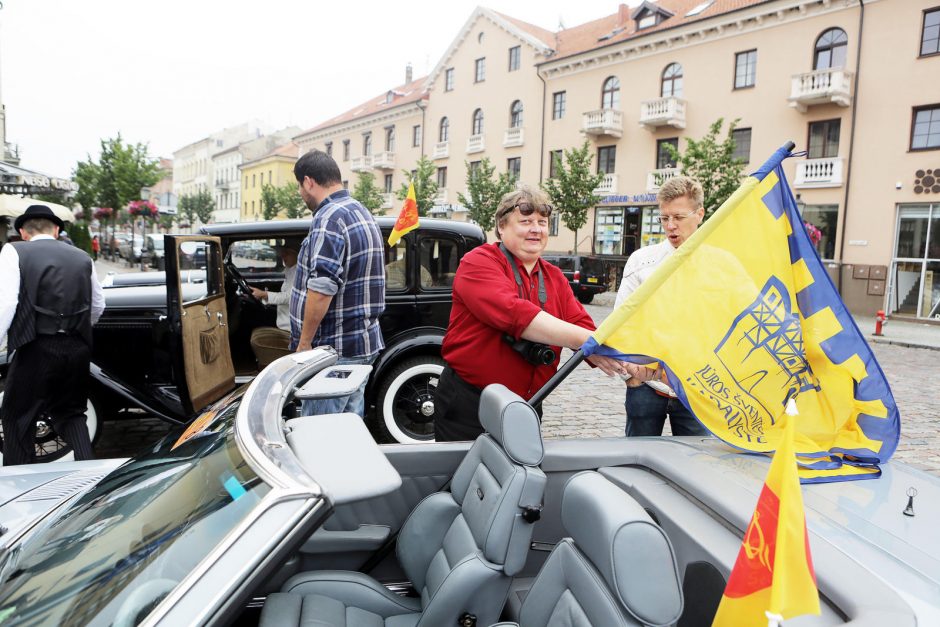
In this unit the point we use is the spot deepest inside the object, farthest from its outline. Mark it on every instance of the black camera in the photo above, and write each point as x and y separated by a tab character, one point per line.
533	352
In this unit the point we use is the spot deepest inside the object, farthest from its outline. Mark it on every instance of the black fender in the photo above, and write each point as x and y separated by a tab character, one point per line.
101	378
419	341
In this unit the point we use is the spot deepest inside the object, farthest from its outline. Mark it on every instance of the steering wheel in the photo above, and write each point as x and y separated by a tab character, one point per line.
141	601
243	288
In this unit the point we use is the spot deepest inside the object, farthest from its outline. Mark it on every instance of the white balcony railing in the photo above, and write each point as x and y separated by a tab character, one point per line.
832	85
513	137
475	144
656	178
668	111
440	198
819	173
441	150
602	122
361	164
384	161
388	200
608	186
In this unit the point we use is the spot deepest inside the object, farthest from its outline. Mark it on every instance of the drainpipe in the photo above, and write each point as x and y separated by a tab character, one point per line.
542	130
848	176
423	108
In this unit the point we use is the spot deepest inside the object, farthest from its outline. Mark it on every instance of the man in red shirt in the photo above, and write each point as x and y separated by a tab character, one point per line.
495	306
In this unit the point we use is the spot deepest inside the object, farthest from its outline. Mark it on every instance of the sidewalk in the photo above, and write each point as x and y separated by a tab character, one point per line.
104	266
899	331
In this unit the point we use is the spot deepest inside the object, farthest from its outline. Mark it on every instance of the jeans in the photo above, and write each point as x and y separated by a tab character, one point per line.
647	410
354	403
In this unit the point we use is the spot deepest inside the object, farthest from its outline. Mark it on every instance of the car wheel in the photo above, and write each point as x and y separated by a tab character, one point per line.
50	446
586	298
405	401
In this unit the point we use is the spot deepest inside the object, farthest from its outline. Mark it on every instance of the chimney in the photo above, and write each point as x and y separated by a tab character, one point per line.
408	73
623	15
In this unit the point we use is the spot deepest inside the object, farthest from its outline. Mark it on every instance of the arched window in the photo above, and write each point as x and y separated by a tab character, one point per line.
610	95
444	133
477	122
366	145
672	81
390	139
831	48
515	114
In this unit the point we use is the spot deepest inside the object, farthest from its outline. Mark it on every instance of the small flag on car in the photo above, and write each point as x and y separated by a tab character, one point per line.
407	219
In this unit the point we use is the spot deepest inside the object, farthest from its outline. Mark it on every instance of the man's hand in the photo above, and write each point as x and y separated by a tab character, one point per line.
608	365
259	294
640	374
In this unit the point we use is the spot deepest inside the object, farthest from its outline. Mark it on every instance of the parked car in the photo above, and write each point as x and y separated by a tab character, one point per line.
153	250
132	251
142	355
586	274
239	510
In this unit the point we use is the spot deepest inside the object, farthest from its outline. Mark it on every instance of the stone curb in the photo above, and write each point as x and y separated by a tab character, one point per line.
881	340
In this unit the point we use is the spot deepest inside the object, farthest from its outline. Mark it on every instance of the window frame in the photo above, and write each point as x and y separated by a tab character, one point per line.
607	150
515	116
562	98
389	183
416	136
449	79
674	141
390	139
816	49
923	28
672	81
734	75
750	139
443	130
329	149
441	177
476	122
367	144
914	112
479	70
614	92
517	57
345	150
514	161
552	173
809	135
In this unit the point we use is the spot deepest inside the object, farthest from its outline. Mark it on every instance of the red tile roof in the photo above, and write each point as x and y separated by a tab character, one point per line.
401	95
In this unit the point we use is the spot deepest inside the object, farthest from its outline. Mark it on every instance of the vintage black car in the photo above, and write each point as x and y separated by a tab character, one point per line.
146	357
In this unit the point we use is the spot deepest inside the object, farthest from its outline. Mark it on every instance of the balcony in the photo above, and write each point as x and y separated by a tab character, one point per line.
608	186
441	197
656	178
475	144
513	137
819	173
441	150
361	164
388	200
603	122
662	112
833	85
384	161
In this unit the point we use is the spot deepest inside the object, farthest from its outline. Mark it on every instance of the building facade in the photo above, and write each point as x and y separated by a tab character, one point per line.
274	168
854	85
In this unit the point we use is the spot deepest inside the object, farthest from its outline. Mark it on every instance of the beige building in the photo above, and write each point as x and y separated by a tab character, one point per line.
856	86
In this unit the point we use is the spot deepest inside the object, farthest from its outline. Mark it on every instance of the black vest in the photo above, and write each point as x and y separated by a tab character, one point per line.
55	292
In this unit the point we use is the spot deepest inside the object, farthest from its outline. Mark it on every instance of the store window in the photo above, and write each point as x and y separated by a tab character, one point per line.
825	218
915	271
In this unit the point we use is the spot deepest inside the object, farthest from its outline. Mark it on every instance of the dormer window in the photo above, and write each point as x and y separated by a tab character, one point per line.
646	21
649	14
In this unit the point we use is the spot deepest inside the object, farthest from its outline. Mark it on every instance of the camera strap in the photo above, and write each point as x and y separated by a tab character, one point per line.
543	295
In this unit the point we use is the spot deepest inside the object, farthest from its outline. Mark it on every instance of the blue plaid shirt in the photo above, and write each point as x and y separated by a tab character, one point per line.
342	256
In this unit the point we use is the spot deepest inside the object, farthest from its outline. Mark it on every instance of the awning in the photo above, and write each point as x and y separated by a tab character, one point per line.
13	206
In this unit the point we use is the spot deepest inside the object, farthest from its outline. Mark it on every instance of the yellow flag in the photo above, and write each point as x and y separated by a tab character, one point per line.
407	219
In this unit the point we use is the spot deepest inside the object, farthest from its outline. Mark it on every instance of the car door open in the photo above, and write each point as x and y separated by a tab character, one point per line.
202	359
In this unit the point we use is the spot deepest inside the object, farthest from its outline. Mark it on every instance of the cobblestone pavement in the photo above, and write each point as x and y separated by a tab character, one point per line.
589	404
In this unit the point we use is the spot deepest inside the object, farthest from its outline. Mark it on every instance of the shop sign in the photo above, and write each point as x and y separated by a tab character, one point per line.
628	198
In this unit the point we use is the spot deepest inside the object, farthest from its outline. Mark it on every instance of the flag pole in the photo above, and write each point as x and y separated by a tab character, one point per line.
563	371
773	618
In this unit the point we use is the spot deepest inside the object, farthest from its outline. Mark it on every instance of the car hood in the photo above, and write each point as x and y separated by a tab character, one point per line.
149	296
29	492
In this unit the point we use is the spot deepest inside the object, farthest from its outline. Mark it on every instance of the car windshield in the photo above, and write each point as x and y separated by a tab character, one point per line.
119	549
158	243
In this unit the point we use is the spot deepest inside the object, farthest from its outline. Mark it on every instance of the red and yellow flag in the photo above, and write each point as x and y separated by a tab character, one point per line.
407	219
773	577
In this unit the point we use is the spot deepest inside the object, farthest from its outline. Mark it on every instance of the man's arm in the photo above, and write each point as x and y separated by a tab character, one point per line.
9	287
97	296
315	308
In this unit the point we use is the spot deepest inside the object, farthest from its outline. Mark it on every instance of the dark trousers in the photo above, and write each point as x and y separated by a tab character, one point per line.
647	410
48	377
457	409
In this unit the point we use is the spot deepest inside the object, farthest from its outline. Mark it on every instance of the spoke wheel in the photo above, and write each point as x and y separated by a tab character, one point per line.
49	445
405	403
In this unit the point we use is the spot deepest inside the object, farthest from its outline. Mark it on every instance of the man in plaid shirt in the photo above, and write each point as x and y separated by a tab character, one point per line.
339	289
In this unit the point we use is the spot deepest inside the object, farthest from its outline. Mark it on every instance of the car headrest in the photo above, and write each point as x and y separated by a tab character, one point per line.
513	423
631	552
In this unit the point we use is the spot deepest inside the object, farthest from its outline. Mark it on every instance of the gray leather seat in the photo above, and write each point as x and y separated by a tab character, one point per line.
459	548
617	568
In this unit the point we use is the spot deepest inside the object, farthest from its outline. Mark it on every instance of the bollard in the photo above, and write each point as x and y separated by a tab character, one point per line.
879	322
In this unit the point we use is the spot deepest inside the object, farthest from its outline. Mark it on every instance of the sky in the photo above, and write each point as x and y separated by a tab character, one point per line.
169	73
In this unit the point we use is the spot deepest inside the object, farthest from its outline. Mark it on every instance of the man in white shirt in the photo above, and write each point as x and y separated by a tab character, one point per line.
269	343
49	300
649	400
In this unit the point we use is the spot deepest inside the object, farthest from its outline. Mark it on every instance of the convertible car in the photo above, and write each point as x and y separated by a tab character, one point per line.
148	356
255	515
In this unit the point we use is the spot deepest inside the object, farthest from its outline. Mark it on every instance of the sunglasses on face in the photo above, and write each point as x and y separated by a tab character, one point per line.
526	209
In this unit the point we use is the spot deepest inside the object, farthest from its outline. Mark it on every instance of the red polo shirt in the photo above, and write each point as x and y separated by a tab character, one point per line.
487	305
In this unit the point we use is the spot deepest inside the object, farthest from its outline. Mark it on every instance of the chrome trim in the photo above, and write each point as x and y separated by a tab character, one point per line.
259	429
183	587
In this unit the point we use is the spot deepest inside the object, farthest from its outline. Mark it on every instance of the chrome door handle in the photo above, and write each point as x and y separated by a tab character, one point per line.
221	318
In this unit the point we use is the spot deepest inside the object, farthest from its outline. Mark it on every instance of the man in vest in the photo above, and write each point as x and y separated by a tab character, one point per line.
49	300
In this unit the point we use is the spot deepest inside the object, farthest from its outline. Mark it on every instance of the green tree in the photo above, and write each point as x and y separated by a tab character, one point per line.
78	233
425	185
572	188
269	202
118	175
713	164
286	199
369	194
186	211
485	192
86	175
198	206
165	221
